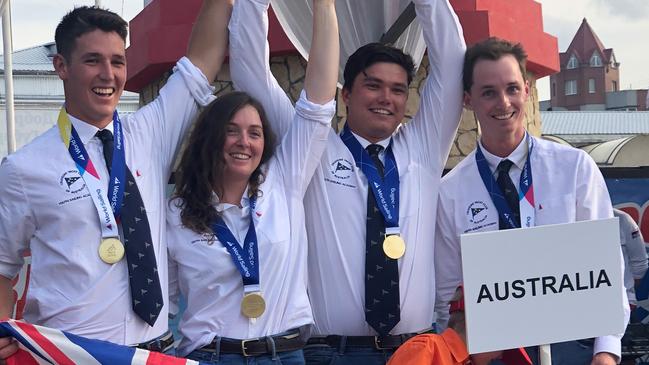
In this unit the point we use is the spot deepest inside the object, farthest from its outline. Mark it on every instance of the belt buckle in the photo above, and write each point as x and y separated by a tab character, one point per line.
155	345
243	347
377	344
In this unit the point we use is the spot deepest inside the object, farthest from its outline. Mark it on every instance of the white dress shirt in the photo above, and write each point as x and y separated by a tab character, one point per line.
43	208
634	252
336	200
568	187
206	275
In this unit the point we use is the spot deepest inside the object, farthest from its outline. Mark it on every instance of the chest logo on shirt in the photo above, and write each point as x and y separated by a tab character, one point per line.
342	168
477	212
72	182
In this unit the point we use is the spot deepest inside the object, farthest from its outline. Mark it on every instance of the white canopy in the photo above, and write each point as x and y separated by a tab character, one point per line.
360	22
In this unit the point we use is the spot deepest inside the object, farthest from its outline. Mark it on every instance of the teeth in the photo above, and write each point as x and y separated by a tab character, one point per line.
240	156
103	90
381	111
503	116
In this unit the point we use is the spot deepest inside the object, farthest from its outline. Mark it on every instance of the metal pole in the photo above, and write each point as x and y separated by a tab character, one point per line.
9	82
545	353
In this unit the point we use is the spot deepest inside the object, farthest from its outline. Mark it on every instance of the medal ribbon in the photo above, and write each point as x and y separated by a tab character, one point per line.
247	259
525	187
108	217
386	189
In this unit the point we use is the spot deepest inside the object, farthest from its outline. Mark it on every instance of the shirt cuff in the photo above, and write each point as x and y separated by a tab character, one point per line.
10	271
609	344
318	112
196	82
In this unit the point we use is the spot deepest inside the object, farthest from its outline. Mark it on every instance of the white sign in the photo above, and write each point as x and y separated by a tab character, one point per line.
542	285
360	22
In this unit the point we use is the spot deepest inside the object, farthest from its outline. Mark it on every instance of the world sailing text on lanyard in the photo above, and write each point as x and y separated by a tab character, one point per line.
525	194
108	217
247	259
386	189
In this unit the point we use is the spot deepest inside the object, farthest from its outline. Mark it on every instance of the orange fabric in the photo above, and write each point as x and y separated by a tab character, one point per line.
444	349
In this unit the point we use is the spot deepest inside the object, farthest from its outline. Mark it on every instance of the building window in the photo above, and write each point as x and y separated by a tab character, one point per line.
554	89
595	60
572	62
591	86
571	87
614	85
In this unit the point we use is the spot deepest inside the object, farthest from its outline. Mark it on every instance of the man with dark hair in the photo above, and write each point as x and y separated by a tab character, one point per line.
371	202
480	195
87	196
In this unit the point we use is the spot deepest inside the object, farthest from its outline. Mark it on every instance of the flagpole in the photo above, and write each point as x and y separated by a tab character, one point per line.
8	73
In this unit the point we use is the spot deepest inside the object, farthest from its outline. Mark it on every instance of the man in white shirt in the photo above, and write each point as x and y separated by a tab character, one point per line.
377	78
54	191
634	252
567	184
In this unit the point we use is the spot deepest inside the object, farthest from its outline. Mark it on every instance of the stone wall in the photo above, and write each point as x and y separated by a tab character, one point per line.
290	72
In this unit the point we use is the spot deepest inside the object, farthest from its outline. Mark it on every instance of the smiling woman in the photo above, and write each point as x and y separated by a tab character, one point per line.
235	225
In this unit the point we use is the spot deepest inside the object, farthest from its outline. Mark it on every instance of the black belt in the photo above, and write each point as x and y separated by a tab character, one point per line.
287	341
160	344
388	342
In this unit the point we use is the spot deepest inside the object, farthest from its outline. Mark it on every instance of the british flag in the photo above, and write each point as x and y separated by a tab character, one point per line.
42	345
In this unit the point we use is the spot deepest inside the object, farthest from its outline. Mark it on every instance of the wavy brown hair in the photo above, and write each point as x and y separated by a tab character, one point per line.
202	164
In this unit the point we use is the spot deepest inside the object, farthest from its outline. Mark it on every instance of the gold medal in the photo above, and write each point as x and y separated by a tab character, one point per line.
253	305
394	246
111	250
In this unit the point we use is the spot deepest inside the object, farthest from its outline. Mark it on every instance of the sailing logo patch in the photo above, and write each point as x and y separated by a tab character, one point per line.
477	212
341	168
72	182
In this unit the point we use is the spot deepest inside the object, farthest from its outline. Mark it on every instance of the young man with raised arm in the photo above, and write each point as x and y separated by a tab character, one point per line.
371	278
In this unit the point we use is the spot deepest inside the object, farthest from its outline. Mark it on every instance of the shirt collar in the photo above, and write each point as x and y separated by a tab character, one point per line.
455	345
85	130
221	207
383	143
518	156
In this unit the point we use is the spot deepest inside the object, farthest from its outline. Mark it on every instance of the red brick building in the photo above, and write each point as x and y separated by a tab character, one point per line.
590	77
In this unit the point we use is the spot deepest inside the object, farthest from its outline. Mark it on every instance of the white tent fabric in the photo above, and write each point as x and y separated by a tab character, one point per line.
360	22
2	6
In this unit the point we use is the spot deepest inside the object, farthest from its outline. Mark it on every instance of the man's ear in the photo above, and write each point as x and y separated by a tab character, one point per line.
467	100
345	94
60	66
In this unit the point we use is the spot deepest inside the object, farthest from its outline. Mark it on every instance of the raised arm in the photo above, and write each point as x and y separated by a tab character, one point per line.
209	40
322	68
437	119
249	62
300	151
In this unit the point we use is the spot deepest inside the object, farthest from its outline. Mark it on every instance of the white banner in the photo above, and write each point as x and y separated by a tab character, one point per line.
360	22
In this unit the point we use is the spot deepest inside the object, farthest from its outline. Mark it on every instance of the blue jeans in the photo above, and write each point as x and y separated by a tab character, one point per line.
325	355
281	358
566	353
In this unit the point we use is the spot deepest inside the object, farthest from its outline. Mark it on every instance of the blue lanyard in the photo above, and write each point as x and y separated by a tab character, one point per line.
526	191
386	189
247	259
118	166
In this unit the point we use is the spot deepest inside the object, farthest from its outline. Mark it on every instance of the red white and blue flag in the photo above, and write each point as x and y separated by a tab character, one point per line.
42	345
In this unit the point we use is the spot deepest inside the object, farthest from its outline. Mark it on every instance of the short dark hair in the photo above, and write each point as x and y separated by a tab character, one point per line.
372	53
491	49
86	19
202	164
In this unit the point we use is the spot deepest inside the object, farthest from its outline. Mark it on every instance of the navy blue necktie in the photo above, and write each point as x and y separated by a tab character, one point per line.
146	294
509	191
382	309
